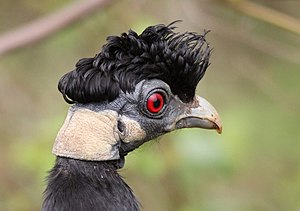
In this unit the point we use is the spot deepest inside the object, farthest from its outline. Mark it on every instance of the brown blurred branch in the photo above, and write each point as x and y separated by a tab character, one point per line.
48	25
226	30
267	14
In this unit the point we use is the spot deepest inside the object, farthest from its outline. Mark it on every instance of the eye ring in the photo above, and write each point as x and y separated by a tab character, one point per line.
159	108
155	102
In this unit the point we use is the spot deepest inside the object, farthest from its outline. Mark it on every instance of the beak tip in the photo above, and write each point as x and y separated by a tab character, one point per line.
217	123
219	130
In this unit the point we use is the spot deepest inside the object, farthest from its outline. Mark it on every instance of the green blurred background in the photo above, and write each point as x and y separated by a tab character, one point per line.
253	81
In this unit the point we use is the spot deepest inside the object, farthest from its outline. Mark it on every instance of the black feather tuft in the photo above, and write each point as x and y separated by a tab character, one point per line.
180	60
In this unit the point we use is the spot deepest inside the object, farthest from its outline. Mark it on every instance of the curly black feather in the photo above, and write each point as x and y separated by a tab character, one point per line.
178	59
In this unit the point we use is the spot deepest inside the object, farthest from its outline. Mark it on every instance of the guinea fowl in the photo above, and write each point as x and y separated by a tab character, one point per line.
137	88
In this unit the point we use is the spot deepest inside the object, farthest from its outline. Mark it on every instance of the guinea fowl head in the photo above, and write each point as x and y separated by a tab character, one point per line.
137	88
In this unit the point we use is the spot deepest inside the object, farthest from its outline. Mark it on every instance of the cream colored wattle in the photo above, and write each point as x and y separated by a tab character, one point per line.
133	130
88	135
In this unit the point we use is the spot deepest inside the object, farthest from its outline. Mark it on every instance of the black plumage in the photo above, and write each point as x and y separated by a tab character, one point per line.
87	186
137	88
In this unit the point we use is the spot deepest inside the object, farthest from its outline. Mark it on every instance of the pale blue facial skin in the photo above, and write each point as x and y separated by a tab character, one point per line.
174	115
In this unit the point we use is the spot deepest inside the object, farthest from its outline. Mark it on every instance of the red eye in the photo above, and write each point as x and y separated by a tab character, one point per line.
155	102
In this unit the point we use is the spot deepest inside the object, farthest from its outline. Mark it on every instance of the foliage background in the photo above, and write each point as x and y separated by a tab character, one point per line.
253	81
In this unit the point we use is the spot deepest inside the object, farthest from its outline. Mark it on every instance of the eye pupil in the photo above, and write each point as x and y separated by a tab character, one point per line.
155	102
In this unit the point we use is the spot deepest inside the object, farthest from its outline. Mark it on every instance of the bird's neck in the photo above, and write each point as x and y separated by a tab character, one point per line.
86	185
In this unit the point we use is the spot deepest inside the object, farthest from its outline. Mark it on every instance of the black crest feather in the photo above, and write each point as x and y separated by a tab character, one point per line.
179	59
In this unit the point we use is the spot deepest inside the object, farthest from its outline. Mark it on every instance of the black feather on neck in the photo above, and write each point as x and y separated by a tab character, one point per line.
87	186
